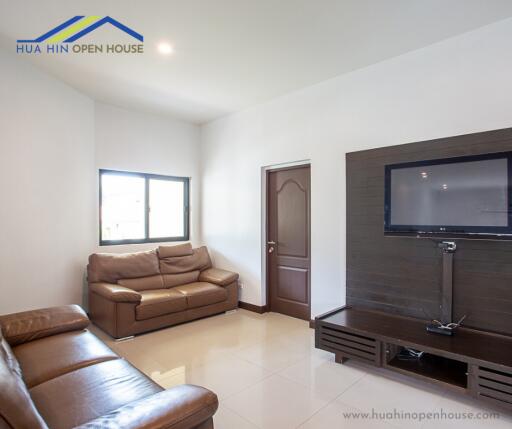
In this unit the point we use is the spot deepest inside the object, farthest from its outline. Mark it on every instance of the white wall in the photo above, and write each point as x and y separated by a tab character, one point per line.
458	86
53	140
46	188
133	141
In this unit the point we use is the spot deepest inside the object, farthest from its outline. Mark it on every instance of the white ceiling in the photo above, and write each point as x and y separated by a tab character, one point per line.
231	54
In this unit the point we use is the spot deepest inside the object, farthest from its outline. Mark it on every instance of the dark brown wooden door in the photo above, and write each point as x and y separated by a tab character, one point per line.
288	241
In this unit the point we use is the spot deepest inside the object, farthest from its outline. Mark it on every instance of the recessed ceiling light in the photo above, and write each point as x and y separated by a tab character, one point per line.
165	48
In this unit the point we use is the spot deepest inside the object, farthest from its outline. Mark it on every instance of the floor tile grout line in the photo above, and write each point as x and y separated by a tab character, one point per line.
351	385
246	387
234	357
280	372
271	337
239	415
331	401
294	382
286	379
272	370
259	382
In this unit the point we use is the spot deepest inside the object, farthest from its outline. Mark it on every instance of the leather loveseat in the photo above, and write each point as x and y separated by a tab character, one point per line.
132	293
55	374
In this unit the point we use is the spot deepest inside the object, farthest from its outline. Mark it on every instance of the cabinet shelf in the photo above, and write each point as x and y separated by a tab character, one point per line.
432	367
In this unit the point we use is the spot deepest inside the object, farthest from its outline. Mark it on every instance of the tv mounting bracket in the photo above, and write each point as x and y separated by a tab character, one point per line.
446	326
447	246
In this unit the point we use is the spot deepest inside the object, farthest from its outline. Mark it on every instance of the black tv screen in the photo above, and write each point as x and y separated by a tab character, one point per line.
465	196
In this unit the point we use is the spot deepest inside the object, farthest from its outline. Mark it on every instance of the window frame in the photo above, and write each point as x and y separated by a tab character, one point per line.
147	177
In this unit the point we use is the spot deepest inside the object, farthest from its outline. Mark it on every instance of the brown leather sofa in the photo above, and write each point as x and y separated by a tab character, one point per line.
132	293
55	374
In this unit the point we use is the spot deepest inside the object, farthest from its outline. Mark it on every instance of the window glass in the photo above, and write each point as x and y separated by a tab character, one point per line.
122	207
166	208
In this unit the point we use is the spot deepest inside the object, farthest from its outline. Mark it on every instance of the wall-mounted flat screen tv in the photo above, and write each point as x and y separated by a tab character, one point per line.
467	197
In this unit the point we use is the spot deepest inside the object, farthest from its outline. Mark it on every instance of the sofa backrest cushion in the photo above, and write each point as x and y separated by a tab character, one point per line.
16	406
199	260
177	250
111	267
143	283
171	280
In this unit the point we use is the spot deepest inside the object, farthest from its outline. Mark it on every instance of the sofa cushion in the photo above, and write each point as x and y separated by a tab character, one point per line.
158	302
114	292
171	280
16	406
87	393
172	251
180	407
18	328
199	260
200	294
143	283
218	276
50	357
110	267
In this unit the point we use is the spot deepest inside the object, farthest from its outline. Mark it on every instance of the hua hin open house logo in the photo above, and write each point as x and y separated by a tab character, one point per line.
65	39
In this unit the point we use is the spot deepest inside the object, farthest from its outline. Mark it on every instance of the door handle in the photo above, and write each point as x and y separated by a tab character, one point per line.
272	243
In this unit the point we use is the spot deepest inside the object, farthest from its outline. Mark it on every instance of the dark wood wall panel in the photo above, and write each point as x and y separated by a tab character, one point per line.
403	275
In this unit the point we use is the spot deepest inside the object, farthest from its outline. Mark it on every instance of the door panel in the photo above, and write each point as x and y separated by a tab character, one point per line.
292	212
288	241
287	279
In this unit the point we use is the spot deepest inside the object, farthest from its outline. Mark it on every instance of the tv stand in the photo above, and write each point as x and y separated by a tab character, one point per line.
472	362
448	248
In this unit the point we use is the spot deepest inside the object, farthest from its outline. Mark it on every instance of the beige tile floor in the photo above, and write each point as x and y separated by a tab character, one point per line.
268	375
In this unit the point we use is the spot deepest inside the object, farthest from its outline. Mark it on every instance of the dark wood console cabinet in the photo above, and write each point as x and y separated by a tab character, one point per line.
471	362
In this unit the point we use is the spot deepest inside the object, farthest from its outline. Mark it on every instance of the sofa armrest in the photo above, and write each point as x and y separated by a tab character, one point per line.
18	328
218	276
116	293
181	407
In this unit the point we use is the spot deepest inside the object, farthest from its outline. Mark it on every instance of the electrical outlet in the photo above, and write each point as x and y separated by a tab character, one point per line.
241	285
